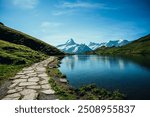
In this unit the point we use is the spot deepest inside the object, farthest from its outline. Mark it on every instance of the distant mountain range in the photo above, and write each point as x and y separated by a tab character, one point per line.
140	46
71	47
116	43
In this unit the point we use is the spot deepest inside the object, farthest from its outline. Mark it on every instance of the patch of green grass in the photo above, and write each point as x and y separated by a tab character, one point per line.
91	92
7	71
54	71
63	92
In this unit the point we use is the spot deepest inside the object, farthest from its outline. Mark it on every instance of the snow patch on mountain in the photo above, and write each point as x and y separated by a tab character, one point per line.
116	43
71	47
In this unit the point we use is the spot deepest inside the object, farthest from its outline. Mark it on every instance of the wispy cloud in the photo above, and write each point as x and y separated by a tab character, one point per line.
82	5
62	12
47	26
64	8
25	4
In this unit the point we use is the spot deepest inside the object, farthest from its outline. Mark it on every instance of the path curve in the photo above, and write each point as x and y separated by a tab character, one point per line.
30	82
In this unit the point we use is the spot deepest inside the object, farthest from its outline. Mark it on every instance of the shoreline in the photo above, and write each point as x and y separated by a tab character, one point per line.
64	91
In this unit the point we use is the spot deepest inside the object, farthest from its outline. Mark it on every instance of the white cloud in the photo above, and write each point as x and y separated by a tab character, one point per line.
65	8
82	5
47	26
25	4
62	12
50	24
87	5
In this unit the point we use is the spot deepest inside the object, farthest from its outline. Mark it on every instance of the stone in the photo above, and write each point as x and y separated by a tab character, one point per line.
20	73
24	77
43	75
62	80
31	75
19	88
46	86
13	85
45	78
49	92
18	76
27	91
16	98
31	96
27	83
19	80
28	72
13	91
33	87
43	82
33	79
27	69
14	95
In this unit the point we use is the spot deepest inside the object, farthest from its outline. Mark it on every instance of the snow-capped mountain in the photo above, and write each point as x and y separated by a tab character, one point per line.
116	43
71	47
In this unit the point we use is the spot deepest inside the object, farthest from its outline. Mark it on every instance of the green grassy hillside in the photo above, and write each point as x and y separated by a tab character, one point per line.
140	46
18	50
17	37
13	57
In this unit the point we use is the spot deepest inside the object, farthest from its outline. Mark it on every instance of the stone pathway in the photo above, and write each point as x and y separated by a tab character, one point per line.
31	81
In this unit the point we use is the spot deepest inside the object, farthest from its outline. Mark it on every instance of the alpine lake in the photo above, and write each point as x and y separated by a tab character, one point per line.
130	75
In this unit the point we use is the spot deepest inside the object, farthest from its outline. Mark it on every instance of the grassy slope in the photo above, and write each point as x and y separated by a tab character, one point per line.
18	50
13	57
17	37
140	46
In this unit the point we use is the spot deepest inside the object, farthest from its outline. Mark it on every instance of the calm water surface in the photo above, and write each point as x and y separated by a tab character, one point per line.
131	75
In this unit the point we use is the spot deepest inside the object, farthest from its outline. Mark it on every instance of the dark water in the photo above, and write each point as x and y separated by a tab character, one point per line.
131	75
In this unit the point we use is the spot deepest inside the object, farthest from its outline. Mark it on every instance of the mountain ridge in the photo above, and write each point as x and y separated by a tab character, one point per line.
71	47
138	46
114	43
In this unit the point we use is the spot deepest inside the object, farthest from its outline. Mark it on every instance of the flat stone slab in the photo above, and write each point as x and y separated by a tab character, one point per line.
33	79
16	98
19	88
63	80
43	82
27	91
49	92
43	75
19	80
24	77
27	83
31	96
13	91
46	86
15	95
34	87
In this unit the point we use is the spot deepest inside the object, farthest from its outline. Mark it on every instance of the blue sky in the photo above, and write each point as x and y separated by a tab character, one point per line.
56	21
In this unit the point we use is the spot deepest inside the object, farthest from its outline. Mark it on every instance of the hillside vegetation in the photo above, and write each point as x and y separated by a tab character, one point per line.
17	37
18	50
140	46
13	57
